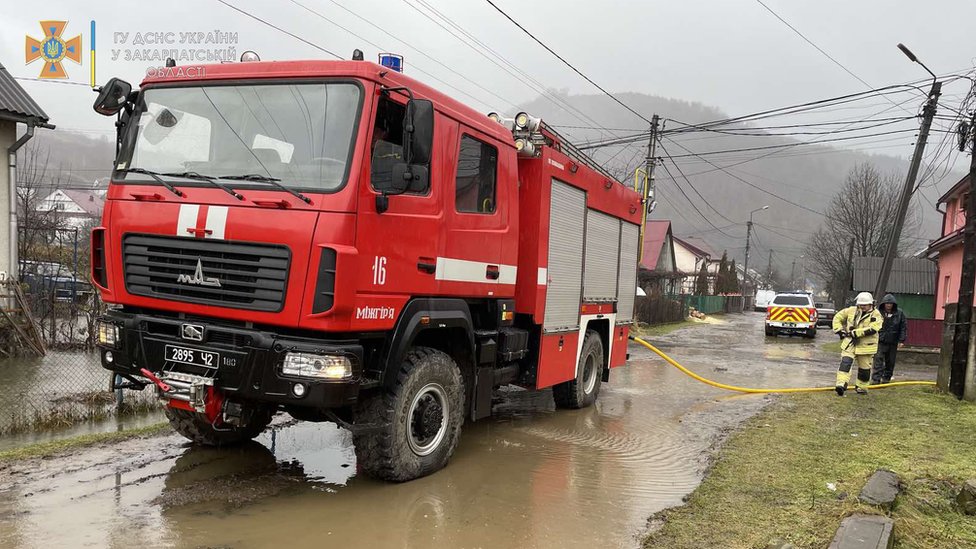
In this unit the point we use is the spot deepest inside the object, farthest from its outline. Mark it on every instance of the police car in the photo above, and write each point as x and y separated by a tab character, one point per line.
792	314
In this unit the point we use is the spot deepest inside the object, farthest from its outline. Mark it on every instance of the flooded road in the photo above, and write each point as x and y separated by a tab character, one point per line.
530	476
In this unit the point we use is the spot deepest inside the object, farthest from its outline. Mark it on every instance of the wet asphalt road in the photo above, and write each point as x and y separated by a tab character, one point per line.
530	476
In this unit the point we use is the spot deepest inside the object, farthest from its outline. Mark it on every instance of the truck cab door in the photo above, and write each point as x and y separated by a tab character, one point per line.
398	247
480	251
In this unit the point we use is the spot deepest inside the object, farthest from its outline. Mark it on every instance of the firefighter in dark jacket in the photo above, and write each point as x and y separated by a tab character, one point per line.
890	339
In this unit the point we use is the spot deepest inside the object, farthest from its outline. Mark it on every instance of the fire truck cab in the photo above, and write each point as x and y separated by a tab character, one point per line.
341	242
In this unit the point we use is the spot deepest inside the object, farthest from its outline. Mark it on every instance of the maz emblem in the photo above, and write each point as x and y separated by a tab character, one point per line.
193	332
198	279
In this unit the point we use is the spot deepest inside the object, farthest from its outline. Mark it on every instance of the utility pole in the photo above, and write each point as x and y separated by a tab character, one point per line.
769	269
928	112
745	268
967	281
793	275
648	190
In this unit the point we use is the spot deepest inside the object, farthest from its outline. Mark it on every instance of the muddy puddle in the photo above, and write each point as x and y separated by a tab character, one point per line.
530	476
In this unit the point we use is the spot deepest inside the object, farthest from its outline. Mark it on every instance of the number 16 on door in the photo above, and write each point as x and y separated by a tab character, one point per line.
379	270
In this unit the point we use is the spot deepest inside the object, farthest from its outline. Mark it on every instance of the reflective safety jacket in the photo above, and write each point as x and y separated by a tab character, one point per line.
863	326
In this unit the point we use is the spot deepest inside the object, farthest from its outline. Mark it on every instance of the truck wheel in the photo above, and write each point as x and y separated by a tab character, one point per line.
811	333
770	332
412	429
583	391
195	427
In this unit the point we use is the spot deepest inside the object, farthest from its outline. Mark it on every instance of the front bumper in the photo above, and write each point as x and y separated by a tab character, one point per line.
791	327
249	365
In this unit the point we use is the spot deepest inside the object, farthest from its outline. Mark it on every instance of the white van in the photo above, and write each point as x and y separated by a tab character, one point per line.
763	297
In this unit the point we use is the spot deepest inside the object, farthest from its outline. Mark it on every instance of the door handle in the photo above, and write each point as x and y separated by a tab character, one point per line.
427	265
492	272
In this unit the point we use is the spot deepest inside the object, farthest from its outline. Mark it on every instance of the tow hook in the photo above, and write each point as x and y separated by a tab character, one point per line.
156	381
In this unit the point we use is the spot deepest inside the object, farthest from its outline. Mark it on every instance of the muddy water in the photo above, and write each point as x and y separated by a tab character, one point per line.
530	476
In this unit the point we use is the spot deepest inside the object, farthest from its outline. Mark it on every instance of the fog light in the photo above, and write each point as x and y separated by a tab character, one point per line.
298	390
317	366
108	357
108	334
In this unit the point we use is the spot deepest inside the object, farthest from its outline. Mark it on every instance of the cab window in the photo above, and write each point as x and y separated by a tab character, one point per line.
477	172
387	144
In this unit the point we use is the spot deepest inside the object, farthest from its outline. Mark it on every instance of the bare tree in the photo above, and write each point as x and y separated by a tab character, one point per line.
36	179
863	212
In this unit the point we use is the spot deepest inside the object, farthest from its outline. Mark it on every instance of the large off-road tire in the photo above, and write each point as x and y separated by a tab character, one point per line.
412	429
198	429
584	390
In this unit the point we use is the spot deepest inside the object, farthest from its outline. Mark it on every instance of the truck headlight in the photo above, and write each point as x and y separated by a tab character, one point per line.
317	366
108	334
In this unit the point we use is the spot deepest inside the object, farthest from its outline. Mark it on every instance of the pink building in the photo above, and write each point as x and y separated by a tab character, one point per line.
947	250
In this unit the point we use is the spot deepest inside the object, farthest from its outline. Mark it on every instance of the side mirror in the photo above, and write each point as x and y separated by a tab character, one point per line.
418	131
112	97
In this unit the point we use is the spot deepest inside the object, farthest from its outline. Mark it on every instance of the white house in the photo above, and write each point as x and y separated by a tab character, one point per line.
77	208
689	253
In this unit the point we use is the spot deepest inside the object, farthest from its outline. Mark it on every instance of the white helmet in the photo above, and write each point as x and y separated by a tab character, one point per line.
865	298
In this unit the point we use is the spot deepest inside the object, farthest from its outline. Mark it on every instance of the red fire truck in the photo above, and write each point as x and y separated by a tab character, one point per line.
341	242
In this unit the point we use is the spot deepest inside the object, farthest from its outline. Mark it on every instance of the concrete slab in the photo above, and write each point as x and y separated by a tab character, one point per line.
864	532
881	489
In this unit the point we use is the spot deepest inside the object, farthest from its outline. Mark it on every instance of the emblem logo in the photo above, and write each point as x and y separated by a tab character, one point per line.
198	279
193	332
53	49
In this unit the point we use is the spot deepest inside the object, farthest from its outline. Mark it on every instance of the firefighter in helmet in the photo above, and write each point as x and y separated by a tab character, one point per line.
857	328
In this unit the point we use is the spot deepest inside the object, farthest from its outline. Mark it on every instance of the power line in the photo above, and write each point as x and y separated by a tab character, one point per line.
808	41
279	29
418	69
692	185
695	206
567	63
522	77
753	185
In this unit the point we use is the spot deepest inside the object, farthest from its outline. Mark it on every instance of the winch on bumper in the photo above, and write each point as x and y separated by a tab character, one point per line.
194	357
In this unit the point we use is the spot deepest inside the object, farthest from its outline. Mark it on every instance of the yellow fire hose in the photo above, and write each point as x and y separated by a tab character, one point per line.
693	375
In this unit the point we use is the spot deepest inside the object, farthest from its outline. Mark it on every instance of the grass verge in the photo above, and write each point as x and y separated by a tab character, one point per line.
657	330
44	449
771	478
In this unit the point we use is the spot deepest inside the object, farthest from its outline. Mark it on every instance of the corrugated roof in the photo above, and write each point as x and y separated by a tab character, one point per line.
15	103
655	234
908	275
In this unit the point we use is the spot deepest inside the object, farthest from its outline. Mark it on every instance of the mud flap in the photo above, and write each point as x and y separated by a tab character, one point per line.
483	386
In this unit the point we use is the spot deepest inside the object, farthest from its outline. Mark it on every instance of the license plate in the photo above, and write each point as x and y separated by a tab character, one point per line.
790	324
196	357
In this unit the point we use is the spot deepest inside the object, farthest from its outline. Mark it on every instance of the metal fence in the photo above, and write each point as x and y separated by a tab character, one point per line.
65	385
924	332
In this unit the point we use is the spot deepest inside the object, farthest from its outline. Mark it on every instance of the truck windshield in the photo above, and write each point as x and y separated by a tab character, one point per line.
301	134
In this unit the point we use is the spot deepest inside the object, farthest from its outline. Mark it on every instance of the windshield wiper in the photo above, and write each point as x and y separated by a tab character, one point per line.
155	176
211	179
268	179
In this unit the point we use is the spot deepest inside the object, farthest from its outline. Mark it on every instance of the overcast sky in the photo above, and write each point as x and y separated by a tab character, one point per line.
731	54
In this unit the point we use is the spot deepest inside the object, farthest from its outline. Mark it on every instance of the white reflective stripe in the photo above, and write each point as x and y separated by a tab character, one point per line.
507	274
462	270
542	277
187	219
216	221
584	321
